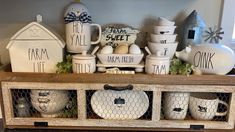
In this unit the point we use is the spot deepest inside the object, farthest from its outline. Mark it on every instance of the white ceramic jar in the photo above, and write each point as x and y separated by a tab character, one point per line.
175	105
84	63
157	64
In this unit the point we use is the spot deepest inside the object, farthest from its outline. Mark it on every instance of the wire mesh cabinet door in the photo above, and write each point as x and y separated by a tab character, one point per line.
133	106
198	106
39	104
80	105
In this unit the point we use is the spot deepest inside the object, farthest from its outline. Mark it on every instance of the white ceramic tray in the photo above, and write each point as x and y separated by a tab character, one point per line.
120	59
103	67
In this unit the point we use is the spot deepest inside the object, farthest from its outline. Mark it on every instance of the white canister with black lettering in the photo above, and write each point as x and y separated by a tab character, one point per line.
157	64
84	63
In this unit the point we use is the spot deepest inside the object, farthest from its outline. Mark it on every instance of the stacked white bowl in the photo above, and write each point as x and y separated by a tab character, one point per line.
163	38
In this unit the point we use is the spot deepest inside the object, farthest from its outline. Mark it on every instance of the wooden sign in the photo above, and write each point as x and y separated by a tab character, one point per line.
115	35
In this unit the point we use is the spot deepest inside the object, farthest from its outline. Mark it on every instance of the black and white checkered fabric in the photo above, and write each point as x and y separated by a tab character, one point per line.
83	17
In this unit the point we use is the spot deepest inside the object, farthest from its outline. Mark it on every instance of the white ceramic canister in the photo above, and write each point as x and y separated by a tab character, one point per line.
157	64
84	63
79	28
175	105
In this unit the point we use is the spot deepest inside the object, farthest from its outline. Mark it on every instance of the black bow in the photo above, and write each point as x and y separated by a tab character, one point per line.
83	17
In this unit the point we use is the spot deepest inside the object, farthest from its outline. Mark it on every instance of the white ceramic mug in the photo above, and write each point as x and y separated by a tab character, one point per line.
203	106
78	36
175	105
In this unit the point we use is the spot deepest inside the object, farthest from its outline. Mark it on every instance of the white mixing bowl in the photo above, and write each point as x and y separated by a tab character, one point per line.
167	50
158	38
164	30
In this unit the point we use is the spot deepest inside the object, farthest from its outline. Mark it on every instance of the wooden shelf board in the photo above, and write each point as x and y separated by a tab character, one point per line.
117	78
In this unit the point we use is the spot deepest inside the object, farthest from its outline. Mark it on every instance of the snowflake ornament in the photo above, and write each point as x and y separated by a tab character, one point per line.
213	35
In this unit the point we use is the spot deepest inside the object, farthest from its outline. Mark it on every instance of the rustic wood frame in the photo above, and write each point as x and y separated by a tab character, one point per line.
82	82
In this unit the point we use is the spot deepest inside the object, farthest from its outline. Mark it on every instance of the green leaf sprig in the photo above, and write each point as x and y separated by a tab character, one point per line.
179	67
70	111
65	66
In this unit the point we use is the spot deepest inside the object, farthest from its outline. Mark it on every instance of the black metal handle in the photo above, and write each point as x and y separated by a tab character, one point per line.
119	88
197	127
41	124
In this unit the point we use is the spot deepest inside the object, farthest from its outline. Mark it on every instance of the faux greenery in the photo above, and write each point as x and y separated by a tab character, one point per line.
71	110
179	67
65	66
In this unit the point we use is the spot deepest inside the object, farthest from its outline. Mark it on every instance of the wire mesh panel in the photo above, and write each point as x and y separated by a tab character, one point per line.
119	104
44	103
195	106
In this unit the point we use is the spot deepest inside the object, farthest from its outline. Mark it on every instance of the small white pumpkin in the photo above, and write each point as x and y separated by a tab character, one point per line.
134	49
106	50
121	49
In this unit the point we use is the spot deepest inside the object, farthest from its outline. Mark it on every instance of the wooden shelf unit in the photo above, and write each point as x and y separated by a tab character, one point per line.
82	82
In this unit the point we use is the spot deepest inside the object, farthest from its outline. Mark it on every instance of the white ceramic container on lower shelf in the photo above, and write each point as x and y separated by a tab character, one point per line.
49	102
120	104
